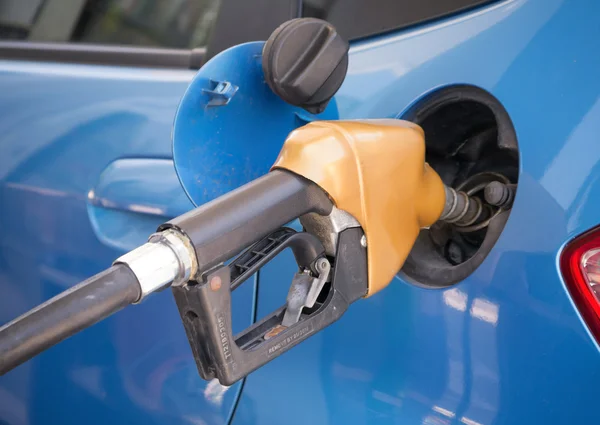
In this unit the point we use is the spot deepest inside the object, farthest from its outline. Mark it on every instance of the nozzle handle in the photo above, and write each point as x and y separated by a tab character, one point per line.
222	228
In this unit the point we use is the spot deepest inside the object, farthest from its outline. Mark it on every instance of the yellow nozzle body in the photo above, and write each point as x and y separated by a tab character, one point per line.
376	171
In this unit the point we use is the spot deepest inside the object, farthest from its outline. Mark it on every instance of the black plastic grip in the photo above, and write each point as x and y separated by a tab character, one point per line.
66	314
206	313
222	228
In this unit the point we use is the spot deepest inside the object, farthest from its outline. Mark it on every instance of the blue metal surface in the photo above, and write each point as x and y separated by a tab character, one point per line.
85	172
133	195
505	346
230	126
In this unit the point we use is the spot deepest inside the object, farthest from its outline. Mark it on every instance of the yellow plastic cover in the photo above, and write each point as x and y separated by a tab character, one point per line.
376	171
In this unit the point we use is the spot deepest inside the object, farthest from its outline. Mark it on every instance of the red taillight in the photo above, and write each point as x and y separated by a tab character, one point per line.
580	266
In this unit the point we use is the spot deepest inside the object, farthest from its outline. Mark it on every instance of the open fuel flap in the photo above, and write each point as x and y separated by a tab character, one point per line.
471	143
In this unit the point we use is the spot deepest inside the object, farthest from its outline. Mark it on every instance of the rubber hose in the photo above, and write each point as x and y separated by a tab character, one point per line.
66	314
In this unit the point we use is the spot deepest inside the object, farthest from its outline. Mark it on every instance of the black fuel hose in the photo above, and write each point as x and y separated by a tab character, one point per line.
66	314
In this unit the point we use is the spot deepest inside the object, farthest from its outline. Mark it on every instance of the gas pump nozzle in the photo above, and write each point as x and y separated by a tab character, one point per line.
362	192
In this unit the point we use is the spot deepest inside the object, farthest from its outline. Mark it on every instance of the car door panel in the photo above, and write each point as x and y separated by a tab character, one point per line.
81	147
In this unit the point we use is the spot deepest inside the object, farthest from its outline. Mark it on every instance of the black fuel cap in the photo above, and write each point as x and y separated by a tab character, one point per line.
305	62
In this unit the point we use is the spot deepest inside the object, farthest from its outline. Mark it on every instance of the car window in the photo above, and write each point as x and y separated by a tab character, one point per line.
360	18
157	23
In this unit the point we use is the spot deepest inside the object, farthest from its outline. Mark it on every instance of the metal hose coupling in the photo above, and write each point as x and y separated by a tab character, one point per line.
468	212
463	210
168	258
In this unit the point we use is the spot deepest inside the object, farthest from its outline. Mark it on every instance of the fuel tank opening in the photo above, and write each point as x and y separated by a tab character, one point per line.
472	144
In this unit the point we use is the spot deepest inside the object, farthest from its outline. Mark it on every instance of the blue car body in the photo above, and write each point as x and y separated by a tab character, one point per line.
86	174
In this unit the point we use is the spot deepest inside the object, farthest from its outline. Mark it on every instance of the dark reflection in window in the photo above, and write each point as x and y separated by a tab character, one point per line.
166	23
361	18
